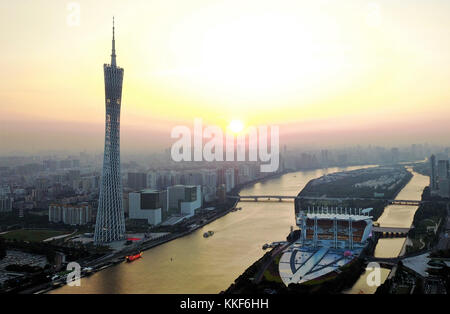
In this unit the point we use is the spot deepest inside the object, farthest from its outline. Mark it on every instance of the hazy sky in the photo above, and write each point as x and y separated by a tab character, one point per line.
333	72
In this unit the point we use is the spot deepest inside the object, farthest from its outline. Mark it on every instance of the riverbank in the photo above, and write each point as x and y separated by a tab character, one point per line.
394	215
237	189
429	225
270	282
151	244
342	280
429	222
116	258
362	183
193	264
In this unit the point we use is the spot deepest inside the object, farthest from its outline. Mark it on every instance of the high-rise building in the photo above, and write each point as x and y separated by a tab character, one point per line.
229	179
395	155
50	165
221	176
65	164
152	180
221	193
6	199
442	169
137	180
110	223
443	178
433	173
209	187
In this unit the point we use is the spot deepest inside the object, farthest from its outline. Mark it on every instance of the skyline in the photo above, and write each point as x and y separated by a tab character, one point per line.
323	72
255	148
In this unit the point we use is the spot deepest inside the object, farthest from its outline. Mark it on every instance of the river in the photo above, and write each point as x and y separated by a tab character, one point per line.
193	264
394	216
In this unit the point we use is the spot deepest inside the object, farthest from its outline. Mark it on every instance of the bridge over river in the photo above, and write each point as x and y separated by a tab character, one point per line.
392	261
381	231
257	198
391	231
280	198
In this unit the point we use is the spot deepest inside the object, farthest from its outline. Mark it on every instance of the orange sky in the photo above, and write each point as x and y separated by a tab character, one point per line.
328	72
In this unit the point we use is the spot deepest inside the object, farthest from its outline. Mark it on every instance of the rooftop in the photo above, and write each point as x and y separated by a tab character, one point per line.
338	216
418	264
148	191
301	264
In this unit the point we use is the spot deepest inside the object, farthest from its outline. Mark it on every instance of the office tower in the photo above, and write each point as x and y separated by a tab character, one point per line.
221	176
443	180
209	188
433	173
395	155
229	179
153	179
6	199
442	169
137	180
110	223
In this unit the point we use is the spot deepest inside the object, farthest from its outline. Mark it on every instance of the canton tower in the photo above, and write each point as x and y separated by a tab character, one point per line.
110	224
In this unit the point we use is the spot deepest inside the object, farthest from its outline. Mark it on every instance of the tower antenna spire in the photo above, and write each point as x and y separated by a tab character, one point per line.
113	55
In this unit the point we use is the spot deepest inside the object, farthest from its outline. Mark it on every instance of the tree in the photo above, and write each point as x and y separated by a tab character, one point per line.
2	248
419	289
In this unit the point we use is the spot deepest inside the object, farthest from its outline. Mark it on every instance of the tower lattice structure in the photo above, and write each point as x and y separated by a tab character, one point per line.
110	223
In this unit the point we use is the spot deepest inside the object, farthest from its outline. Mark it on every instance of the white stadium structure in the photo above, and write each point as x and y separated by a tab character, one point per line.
330	238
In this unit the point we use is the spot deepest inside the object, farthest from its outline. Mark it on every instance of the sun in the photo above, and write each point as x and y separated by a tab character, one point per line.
236	126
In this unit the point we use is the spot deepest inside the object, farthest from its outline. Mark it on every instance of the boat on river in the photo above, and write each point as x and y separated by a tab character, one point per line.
208	234
133	257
